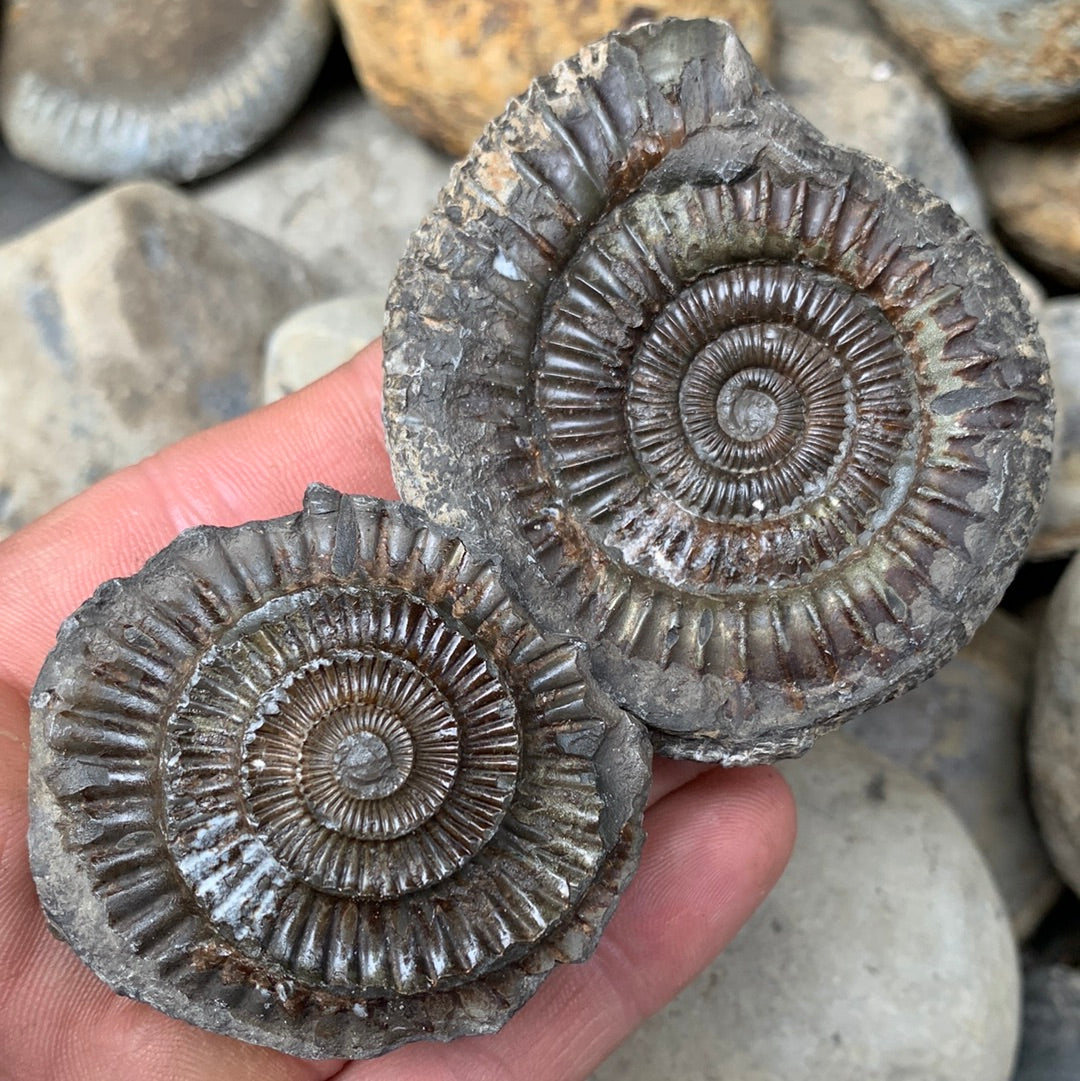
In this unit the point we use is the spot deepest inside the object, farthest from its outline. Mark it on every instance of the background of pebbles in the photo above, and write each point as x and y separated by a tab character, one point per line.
923	894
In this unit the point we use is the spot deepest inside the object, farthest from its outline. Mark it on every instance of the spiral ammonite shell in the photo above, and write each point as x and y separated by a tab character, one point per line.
318	783
761	420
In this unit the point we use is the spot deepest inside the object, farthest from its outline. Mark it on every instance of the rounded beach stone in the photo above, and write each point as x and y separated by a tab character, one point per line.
883	952
316	339
445	70
175	89
1055	728
1033	189
962	732
1011	64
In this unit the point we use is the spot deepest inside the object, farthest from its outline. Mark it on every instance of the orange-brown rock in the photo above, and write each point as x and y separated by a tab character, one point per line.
444	67
1033	188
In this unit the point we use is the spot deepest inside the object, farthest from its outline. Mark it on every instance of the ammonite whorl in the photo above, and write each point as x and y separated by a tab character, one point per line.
319	784
760	419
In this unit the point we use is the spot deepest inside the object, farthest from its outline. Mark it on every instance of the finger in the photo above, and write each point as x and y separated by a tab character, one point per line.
254	467
715	848
668	774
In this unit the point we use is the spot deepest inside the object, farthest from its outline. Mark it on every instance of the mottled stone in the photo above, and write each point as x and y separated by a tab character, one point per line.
1012	64
962	731
316	339
1034	193
132	320
445	70
343	187
1059	523
127	88
883	952
1055	728
1050	1047
834	64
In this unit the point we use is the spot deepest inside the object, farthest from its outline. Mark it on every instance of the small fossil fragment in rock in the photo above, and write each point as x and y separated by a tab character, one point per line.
176	89
760	419
317	783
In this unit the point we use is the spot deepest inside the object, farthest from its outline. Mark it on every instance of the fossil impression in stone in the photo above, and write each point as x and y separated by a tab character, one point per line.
760	419
318	783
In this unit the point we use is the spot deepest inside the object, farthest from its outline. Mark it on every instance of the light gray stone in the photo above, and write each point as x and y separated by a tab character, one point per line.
884	953
1059	523
962	731
177	89
132	320
344	188
1009	63
835	65
316	339
1055	728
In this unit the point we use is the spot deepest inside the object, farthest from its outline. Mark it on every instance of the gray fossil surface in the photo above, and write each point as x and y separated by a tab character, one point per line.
318	783
759	418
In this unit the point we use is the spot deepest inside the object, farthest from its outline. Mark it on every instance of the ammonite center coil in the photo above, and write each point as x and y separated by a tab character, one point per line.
318	783
761	420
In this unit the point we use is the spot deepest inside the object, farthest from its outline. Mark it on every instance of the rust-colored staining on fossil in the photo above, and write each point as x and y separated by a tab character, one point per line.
318	783
761	420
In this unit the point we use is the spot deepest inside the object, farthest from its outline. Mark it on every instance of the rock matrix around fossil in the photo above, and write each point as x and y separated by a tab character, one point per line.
1012	64
318	783
963	733
174	89
1055	728
1034	191
882	953
764	422
134	319
445	70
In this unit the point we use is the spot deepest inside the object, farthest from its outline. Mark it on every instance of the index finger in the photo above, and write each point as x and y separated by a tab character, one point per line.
256	466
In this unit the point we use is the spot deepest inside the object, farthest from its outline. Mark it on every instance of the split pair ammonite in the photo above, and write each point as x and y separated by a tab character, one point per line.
750	432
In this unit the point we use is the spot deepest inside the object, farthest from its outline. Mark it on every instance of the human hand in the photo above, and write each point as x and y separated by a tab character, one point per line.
717	839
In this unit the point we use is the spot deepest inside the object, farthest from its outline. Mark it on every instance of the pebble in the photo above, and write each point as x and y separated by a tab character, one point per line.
133	319
1033	189
444	70
343	188
175	89
316	339
1050	1048
836	67
1012	64
884	952
1059	523
1054	735
962	732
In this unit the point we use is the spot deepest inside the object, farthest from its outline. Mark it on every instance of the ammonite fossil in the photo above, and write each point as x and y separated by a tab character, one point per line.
757	417
319	784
